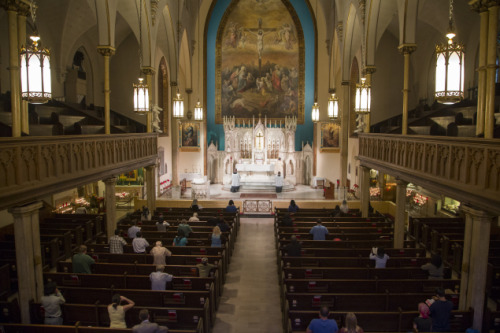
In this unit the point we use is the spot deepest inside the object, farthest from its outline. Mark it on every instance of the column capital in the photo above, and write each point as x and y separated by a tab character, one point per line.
150	167
106	50
407	48
345	83
189	91
110	181
370	69
401	182
148	70
27	209
173	83
23	7
477	213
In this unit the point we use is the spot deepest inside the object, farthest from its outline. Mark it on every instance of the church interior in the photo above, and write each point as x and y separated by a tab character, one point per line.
122	112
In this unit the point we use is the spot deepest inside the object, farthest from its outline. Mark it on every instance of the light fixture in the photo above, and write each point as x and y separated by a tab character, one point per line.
315	112
178	108
363	97
449	68
141	97
198	112
178	111
141	90
36	85
333	108
198	109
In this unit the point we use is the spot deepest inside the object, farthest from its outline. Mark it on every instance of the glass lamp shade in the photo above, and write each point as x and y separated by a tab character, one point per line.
198	112
141	97
36	86
315	112
363	97
178	106
449	72
333	107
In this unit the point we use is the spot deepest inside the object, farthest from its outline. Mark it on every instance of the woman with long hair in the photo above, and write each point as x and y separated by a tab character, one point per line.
423	323
180	239
117	311
435	267
351	324
216	237
293	208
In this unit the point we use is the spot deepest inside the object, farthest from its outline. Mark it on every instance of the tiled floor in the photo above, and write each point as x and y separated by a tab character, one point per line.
250	301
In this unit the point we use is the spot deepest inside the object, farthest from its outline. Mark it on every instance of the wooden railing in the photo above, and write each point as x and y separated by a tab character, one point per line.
466	169
31	167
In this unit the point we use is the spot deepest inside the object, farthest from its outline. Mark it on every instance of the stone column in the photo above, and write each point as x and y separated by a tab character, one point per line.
110	201
175	143
481	72
21	34
106	51
476	245
406	50
381	184
15	84
150	187
344	132
489	117
149	72
400	219
465	269
369	71
365	190
29	256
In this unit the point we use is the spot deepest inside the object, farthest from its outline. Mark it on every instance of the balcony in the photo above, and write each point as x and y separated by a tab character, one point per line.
466	169
31	167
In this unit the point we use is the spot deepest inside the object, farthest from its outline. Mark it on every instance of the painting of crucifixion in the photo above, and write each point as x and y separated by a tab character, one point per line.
260	58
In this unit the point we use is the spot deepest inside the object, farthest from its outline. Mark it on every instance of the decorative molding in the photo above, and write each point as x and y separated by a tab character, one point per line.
106	50
22	7
466	169
148	71
407	48
370	69
154	8
340	31
33	167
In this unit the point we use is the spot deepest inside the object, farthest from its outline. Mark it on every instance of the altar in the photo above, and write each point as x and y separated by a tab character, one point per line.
256	174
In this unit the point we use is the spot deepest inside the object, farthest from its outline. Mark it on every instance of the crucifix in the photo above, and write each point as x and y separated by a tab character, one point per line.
259	33
260	140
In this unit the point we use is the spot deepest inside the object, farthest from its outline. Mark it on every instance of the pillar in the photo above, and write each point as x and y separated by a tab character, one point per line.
369	71
476	246
344	132
21	34
149	72
481	82
150	187
175	144
29	258
15	84
406	50
489	116
365	190
400	219
110	201
381	184
106	52
465	269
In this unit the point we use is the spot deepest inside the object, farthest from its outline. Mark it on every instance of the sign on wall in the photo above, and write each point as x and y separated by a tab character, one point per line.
260	62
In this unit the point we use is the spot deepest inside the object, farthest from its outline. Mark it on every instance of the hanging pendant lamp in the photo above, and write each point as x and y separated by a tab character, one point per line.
363	97
141	97
333	108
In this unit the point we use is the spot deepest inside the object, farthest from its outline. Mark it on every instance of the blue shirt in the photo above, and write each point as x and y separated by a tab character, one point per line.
319	232
216	241
231	209
180	241
323	326
293	209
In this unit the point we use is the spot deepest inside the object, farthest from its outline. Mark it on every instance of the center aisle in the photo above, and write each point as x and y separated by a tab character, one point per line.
250	301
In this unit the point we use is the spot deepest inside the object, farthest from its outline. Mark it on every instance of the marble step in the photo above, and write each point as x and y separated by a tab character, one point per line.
260	188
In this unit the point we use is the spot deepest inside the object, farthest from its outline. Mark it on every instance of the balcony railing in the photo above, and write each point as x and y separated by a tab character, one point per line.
31	167
466	169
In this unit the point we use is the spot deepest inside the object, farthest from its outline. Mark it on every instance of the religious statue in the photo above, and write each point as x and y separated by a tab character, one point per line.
360	124
156	119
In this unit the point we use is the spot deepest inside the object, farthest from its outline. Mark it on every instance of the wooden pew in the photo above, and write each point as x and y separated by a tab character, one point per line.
39	328
340	252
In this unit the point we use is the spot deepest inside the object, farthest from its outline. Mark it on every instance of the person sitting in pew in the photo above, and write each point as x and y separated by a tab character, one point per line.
161	224
231	208
204	268
379	256
223	226
440	312
323	324
146	326
422	323
216	237
140	244
319	231
159	278
286	221
117	311
185	227
116	243
81	261
351	324
51	303
159	254
344	208
133	230
435	267
293	208
194	218
180	239
194	206
293	249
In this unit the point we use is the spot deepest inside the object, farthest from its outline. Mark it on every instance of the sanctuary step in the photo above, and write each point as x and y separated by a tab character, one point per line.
263	187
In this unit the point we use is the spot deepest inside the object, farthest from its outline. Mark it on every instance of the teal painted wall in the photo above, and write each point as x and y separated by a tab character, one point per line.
304	132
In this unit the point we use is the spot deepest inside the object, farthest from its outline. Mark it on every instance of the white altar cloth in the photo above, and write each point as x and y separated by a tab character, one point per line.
255	167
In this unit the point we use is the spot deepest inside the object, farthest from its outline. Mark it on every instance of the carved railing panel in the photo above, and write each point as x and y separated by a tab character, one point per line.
34	166
467	169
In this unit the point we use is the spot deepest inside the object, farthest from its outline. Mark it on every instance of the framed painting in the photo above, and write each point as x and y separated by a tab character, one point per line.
189	136
260	62
330	138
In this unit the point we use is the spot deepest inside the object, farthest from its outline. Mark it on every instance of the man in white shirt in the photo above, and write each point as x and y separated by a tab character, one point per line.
132	231
139	244
235	182
159	279
279	183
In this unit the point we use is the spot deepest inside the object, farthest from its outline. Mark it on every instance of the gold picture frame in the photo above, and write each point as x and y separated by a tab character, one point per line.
189	136
330	138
